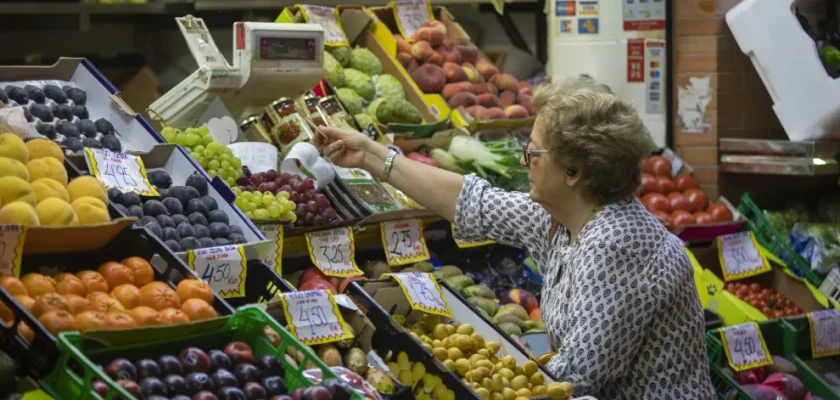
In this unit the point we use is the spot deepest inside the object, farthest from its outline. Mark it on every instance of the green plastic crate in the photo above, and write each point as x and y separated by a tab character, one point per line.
84	353
774	241
798	341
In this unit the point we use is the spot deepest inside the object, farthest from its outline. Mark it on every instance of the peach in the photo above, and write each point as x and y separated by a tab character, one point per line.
481	88
429	78
479	113
472	73
405	59
524	84
505	82
507	98
463	41
402	45
526	91
412	65
433	36
421	51
450	45
463	99
454	72
451	89
496	113
485	68
469	53
436	58
450	55
488	100
526	101
516	111
435	25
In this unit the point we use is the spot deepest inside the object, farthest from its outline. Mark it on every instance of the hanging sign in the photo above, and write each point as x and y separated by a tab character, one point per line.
825	335
423	292
327	17
411	15
745	347
635	60
274	257
224	268
332	252
314	318
121	171
739	256
11	249
403	242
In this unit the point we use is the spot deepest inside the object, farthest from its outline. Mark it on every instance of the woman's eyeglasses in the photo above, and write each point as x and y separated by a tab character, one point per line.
528	154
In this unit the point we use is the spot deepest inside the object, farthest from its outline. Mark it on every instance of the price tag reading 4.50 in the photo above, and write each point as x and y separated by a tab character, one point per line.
11	249
423	292
403	242
327	17
740	257
314	318
825	333
745	347
332	250
223	267
117	170
411	15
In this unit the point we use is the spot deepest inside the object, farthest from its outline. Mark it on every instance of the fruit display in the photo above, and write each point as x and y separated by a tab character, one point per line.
271	195
184	217
678	201
779	380
413	374
770	302
344	354
452	68
35	189
214	157
117	295
60	115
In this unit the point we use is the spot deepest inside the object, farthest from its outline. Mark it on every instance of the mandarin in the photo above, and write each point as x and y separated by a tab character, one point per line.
91	321
157	295
173	316
128	295
58	321
93	281
69	284
119	320
13	285
49	302
194	289
37	284
143	272
145	316
116	274
197	310
78	304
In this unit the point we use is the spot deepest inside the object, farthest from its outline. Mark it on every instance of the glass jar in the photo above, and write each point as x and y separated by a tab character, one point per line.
336	112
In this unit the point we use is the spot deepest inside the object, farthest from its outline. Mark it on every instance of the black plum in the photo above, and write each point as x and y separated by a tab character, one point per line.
35	93
165	221
173	245
154	228
154	208
111	142
201	231
80	111
222	377
104	126
160	178
209	202
270	365
218	359
185	230
87	127
176	384
170	365
171	234
74	144
198	381
218	216
115	196
197	218
199	183
78	96
153	386
246	372
46	130
135	211
17	94
92	143
274	385
190	243
55	93
179	219
206	242
196	206
219	230
41	112
173	206
63	111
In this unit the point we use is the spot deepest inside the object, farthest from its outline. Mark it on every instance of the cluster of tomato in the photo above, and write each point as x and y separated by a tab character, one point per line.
679	201
770	302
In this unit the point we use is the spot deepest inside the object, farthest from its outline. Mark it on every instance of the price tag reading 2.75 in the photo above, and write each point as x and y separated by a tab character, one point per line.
314	318
423	292
745	347
825	333
740	256
224	268
403	242
332	251
121	171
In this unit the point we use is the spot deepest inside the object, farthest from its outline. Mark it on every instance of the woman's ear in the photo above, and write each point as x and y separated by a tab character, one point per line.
572	176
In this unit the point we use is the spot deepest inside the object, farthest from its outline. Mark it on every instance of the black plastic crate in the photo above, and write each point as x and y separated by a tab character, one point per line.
261	285
38	357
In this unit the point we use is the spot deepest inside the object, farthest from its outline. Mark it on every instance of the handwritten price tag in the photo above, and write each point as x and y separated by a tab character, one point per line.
274	258
403	242
825	333
223	267
117	170
740	257
745	347
411	15
465	245
313	317
423	292
327	17
11	249
332	252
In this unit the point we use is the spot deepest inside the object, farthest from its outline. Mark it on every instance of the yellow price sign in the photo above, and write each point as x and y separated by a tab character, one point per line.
332	251
124	172
403	242
411	15
745	347
740	256
423	292
327	17
11	249
465	245
825	335
224	268
274	258
314	318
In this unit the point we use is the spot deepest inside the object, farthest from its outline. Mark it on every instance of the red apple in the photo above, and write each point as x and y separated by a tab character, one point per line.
194	360
314	272
239	352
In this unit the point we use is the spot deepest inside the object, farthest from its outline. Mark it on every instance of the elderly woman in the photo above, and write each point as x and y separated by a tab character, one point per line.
618	298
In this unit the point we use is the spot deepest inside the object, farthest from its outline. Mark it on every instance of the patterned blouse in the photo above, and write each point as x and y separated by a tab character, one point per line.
620	304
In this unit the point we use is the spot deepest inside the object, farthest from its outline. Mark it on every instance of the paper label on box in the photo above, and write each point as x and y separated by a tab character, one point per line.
327	17
11	249
411	15
313	317
121	171
274	257
745	347
465	245
825	335
423	292
655	77
740	257
403	242
224	268
644	15
332	251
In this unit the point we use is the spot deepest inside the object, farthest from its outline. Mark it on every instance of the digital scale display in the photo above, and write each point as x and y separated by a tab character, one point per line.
285	48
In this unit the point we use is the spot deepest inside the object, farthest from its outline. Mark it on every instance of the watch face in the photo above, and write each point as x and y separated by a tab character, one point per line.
284	48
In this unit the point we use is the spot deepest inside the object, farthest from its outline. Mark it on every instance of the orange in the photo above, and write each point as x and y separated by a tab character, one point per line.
78	304
37	284
145	316
173	316
25	332
93	281
157	296
26	301
106	304
116	274
194	289
69	284
119	320
197	310
91	321
143	272
49	302
58	321
127	295
13	285
97	295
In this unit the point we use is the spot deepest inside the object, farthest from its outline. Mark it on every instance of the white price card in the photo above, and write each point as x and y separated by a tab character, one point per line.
411	15
825	333
740	256
332	251
314	318
423	292
274	257
403	242
327	17
745	347
224	268
117	170
11	249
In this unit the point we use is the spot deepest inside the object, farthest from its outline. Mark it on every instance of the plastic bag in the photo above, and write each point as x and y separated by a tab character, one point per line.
356	382
818	244
13	120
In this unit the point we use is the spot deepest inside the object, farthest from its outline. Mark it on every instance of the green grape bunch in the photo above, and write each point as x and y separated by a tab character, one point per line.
216	158
266	205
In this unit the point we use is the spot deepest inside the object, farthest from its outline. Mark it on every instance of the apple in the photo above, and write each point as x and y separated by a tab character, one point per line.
152	385
146	368
194	360
339	389
239	352
316	393
254	391
131	387
204	395
297	394
218	359
274	385
176	384
223	377
121	369
100	388
246	372
231	393
198	381
170	365
270	365
314	272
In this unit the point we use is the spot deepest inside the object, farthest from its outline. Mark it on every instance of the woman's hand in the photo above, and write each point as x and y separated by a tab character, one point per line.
346	148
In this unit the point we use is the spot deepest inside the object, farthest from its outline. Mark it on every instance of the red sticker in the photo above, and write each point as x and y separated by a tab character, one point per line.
636	60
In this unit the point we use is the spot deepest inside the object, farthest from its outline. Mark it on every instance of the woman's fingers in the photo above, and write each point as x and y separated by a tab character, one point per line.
336	156
333	147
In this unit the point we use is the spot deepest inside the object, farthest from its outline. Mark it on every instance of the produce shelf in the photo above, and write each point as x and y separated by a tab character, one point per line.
779	157
798	343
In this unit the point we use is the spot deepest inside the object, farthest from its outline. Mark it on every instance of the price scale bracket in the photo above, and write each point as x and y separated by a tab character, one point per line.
423	292
314	317
745	347
224	268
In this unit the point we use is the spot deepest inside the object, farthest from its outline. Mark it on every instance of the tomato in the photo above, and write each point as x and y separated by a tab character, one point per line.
650	184
730	287
683	219
647	166
697	198
685	182
666	184
679	202
656	201
743	292
767	311
703	217
755	288
720	213
662	216
790	311
660	166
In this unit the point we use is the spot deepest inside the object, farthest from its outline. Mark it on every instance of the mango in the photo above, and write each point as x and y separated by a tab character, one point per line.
45	188
19	212
56	212
87	186
41	148
13	188
47	167
13	147
12	167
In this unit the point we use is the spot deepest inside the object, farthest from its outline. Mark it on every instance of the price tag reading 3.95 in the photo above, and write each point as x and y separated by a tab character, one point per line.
423	292
744	346
331	251
739	256
403	242
825	333
121	171
224	268
314	318
411	15
11	249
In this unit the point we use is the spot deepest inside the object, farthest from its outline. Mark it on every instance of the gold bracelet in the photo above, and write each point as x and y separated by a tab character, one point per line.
389	163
